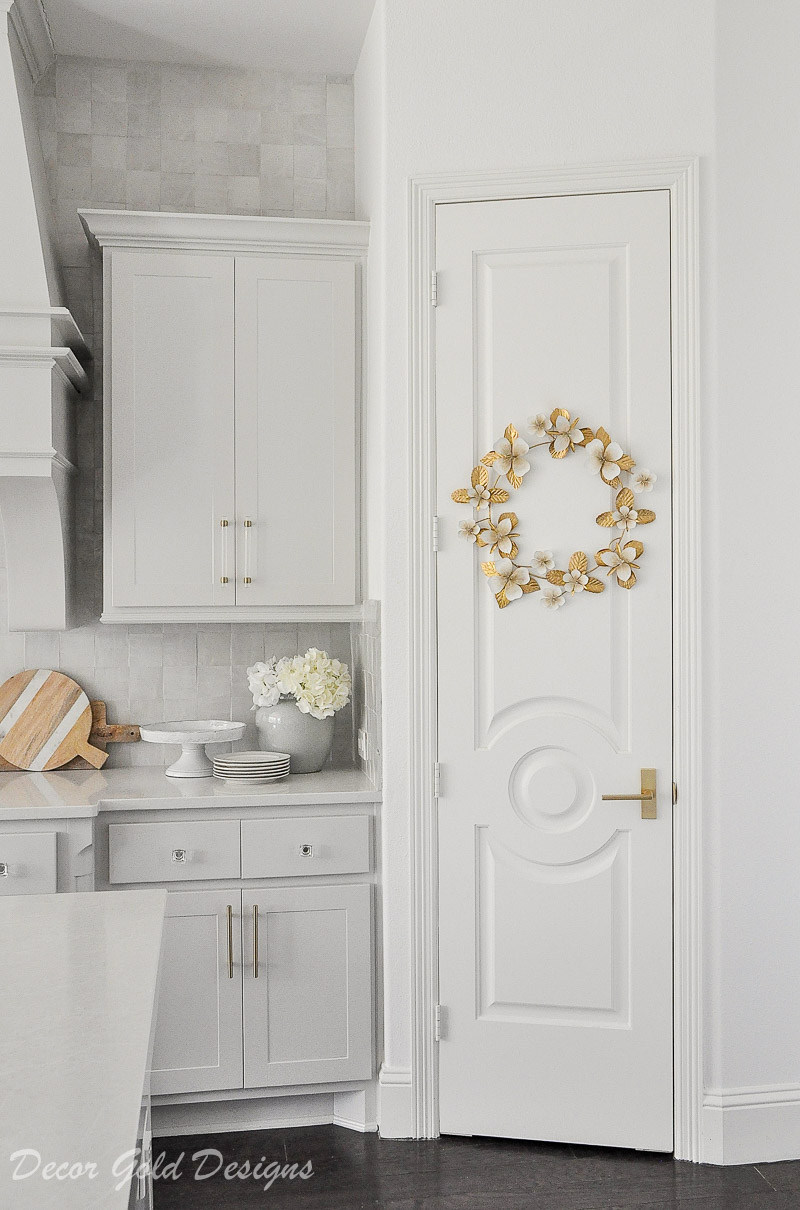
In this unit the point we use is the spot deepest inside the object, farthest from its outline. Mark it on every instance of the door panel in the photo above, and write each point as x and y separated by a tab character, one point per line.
198	1040
295	431
171	441
555	906
308	1016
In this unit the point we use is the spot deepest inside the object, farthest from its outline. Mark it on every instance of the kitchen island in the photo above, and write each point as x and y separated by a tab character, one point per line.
77	1006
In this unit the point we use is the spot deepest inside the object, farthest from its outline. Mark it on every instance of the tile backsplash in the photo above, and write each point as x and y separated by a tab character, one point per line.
149	136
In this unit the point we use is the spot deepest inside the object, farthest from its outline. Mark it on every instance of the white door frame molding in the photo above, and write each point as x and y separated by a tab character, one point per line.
680	177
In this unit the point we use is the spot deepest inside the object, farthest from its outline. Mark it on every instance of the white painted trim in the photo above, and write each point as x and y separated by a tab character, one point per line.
679	176
233	613
62	324
29	22
37	464
396	1118
215	232
758	1125
62	359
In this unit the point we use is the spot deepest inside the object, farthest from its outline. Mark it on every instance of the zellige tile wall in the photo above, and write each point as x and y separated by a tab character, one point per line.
148	136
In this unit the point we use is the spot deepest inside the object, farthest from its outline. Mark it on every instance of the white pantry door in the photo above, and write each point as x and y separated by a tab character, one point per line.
555	906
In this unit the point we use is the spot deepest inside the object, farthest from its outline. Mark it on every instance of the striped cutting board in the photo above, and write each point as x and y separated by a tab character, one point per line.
45	720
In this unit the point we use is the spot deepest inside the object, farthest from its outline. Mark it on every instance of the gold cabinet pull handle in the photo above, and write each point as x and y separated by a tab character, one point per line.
255	940
647	797
229	914
248	525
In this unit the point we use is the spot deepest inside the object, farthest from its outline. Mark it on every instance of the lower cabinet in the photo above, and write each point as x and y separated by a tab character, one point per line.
265	987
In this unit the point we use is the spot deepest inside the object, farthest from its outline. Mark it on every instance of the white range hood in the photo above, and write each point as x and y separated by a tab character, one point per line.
41	348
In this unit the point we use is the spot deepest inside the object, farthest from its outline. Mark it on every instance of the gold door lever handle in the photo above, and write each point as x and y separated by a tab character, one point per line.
647	797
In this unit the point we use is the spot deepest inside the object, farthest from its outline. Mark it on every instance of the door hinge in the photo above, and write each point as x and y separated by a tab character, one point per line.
434	288
437	779
674	793
435	534
438	1018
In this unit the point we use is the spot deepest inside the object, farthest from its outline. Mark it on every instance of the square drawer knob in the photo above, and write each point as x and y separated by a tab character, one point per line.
4	869
306	850
180	856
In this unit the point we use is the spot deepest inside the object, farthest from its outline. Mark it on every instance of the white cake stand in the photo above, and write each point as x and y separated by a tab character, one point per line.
193	737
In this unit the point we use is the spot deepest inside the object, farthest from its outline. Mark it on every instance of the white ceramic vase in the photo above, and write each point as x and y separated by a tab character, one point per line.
284	728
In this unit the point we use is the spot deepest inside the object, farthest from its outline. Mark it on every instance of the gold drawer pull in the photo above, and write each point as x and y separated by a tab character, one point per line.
647	797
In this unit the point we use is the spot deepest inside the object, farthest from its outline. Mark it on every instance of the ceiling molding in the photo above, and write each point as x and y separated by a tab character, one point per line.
28	20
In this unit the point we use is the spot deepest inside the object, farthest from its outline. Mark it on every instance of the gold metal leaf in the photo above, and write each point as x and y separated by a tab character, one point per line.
626	462
556	412
615	482
461	496
480	476
531	586
514	479
555	577
554	453
480	540
594	585
629	583
625	498
512	517
501	598
599	557
588	436
603	436
490	458
512	554
578	562
645	516
498	495
637	547
511	433
489	568
606	520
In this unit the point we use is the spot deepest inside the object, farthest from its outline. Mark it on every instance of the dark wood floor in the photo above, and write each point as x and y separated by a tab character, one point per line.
351	1171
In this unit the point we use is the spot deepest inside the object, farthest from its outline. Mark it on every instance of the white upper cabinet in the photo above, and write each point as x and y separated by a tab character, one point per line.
231	416
295	430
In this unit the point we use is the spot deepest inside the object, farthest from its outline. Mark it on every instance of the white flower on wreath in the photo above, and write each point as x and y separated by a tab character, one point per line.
479	496
567	434
604	459
553	597
619	560
511	456
543	562
537	425
644	481
470	530
502	535
575	581
509	579
625	517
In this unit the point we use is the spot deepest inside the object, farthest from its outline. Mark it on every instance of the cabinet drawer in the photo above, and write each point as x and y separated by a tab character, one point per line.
173	852
28	863
282	848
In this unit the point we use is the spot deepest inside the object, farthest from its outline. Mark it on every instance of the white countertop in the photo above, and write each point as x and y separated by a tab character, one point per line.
87	792
80	976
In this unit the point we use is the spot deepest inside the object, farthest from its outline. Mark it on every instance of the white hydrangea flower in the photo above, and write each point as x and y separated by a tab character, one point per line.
575	581
543	562
553	597
644	481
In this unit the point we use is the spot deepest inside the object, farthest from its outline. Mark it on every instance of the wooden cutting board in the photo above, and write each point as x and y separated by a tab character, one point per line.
45	720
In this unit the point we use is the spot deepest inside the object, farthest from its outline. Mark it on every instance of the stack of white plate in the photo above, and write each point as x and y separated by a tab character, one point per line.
251	768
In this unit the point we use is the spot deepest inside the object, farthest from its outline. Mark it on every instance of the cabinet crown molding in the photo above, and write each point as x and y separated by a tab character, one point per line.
225	232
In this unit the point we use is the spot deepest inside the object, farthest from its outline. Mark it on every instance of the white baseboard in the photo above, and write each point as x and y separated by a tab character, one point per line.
751	1125
223	1117
395	1103
356	1110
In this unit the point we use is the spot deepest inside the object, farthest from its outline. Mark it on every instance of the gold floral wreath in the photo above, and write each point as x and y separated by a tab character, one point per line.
508	578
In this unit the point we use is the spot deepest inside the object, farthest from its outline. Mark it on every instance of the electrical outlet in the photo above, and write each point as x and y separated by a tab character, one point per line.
363	745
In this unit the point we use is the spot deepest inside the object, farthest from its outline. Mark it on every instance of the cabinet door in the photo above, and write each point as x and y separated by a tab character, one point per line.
308	1014
296	357
198	1040
169	422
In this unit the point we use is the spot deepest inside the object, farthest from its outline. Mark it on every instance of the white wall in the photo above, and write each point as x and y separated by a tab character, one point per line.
475	85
